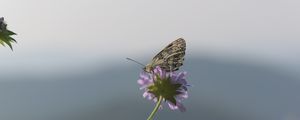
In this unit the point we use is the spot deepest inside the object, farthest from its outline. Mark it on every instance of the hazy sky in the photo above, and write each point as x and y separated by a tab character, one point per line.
56	33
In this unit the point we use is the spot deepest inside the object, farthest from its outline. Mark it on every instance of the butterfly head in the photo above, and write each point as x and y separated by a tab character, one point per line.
148	68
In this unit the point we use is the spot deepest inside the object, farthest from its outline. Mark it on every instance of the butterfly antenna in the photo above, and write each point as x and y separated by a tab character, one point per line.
136	62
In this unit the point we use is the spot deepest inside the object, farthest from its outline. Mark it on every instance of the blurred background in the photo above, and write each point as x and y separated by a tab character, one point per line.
69	63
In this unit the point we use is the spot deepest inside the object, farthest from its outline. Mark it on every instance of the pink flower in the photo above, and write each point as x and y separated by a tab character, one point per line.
171	86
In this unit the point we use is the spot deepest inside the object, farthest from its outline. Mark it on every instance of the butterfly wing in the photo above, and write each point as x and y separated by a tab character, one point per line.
170	58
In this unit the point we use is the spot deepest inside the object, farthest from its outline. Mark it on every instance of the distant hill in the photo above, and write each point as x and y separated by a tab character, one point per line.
222	90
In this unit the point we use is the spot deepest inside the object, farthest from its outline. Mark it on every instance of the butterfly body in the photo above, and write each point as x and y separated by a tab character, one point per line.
170	58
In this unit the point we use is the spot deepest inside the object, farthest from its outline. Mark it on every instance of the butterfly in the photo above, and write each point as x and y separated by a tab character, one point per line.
170	58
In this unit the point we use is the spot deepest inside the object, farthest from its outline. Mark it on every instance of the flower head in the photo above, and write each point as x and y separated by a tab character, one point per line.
171	86
5	34
2	24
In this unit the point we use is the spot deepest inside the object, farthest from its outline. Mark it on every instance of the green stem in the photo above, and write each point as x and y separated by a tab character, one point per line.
155	109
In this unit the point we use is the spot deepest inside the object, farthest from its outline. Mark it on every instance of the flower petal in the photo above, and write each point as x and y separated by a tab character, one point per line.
184	87
160	107
141	82
177	106
181	107
181	75
172	106
145	94
183	95
144	75
144	80
154	99
180	78
160	72
148	96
